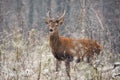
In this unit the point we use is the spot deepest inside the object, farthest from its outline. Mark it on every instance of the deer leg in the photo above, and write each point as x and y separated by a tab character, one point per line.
67	64
57	64
91	63
78	58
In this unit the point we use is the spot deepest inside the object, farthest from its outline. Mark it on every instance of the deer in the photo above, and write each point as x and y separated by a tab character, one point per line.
69	49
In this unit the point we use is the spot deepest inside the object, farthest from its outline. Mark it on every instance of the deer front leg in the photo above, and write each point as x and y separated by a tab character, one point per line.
67	64
58	63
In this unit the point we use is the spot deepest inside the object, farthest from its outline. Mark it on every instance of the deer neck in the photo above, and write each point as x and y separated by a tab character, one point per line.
54	40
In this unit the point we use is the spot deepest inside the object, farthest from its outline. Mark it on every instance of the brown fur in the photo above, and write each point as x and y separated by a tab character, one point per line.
65	49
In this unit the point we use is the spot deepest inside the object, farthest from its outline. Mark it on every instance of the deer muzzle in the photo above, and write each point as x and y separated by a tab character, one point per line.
51	30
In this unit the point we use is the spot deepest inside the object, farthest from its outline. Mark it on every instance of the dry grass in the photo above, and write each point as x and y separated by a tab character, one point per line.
30	58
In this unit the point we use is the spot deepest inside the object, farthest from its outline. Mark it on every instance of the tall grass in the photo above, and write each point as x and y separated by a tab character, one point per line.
28	57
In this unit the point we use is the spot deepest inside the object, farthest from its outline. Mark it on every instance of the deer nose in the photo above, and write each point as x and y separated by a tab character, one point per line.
51	30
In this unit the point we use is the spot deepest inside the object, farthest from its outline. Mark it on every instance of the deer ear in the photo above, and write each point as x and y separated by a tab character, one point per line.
46	20
60	21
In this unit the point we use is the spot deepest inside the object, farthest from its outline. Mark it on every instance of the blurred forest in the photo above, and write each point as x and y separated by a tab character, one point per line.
24	38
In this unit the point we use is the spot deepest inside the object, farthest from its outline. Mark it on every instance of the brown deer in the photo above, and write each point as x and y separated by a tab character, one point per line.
67	49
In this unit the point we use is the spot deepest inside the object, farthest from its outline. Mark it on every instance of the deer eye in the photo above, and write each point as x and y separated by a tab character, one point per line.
57	21
50	21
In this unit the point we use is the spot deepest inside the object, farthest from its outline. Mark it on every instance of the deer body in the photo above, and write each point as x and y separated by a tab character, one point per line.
66	49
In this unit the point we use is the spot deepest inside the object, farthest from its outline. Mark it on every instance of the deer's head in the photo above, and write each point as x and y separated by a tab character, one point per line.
54	23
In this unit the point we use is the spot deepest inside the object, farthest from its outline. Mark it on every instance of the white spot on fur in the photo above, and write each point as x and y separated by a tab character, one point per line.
73	51
80	45
86	48
76	48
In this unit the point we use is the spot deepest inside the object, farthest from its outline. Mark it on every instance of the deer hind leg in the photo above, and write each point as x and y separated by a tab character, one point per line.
67	64
77	58
91	58
58	63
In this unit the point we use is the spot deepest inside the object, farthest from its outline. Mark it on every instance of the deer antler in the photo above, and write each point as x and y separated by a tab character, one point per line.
62	15
48	14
